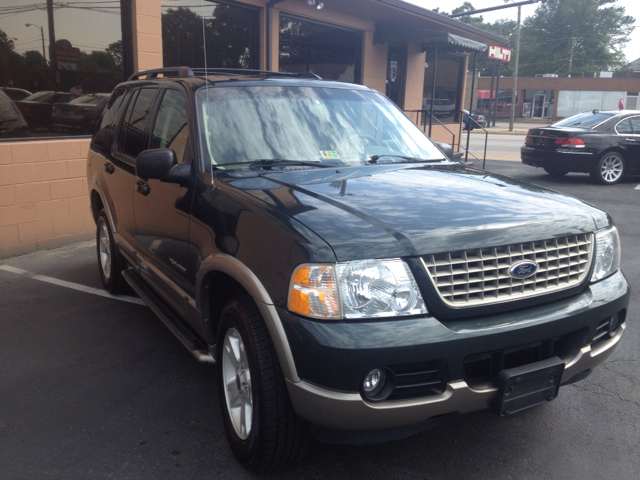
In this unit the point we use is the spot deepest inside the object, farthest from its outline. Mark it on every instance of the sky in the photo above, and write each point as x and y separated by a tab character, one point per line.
632	7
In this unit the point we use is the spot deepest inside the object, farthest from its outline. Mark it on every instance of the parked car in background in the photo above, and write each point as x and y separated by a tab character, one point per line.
442	107
12	123
37	107
81	113
472	120
606	145
16	93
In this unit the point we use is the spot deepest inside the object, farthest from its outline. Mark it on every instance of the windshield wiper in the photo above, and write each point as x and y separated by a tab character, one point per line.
374	159
271	162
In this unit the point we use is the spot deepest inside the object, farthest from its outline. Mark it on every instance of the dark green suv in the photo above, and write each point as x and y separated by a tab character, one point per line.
349	281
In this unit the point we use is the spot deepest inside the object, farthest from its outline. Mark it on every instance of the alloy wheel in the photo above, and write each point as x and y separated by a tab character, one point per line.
611	168
105	251
237	383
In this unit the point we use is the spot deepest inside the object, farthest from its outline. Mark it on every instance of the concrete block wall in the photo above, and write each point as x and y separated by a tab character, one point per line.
44	201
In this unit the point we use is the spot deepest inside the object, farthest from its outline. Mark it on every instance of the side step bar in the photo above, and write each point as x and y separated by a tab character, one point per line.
197	348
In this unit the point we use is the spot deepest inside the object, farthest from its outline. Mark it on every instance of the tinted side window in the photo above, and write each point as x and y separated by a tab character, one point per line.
170	130
133	129
624	127
635	123
103	137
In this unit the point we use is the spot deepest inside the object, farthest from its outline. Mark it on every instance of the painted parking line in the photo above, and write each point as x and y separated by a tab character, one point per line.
637	188
74	286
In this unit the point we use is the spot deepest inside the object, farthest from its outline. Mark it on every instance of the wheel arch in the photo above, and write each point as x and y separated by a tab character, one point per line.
219	278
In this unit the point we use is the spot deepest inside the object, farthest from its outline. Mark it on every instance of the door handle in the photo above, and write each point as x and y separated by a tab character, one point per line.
109	168
631	140
142	188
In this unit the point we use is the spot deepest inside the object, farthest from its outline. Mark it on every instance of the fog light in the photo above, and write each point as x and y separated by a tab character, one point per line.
374	382
614	324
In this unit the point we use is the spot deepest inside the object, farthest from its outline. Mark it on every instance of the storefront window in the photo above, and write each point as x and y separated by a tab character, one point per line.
49	58
448	91
331	52
231	33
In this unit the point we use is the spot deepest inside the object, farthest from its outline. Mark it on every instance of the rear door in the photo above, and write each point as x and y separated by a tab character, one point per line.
162	210
633	144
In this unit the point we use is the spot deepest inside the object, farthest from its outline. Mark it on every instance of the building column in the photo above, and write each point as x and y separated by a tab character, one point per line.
147	34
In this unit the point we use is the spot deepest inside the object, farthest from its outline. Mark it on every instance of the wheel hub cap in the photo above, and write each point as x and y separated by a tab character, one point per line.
105	251
237	383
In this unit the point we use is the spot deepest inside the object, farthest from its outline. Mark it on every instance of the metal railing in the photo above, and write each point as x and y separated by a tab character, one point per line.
422	121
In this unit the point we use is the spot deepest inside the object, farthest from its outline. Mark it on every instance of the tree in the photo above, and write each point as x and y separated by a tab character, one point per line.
115	52
596	31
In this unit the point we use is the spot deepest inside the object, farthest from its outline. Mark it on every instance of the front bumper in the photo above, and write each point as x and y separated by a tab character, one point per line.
332	359
349	411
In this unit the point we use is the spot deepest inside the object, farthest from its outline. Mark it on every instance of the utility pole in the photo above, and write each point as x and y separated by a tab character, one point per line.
41	36
52	45
573	45
515	74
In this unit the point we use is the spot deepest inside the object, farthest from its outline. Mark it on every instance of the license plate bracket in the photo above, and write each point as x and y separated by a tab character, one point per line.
524	387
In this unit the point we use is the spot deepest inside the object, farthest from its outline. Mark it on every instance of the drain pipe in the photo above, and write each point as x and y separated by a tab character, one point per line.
269	32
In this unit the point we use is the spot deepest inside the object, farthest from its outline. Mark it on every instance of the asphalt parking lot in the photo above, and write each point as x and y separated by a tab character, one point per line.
93	387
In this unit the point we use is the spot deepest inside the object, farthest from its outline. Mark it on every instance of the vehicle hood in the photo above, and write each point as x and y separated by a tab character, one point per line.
384	211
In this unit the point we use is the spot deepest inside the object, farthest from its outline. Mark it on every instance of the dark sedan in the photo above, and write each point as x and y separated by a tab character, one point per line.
606	145
16	93
472	120
81	113
37	108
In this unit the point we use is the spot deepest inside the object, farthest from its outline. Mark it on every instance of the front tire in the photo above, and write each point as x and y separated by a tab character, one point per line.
610	169
110	262
262	429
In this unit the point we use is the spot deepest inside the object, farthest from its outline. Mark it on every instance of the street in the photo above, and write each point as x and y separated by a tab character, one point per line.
94	387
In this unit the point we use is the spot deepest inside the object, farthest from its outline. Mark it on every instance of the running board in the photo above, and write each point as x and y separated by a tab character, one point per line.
197	348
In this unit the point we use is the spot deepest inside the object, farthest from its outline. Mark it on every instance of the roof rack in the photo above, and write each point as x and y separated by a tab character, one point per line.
180	72
187	72
258	73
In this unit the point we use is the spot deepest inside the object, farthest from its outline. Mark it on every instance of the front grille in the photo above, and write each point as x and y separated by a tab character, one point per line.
419	380
481	276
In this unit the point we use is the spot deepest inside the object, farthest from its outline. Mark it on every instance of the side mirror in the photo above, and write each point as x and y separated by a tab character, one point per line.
156	163
446	149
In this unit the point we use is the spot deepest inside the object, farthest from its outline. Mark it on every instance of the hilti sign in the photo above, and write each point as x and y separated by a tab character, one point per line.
500	53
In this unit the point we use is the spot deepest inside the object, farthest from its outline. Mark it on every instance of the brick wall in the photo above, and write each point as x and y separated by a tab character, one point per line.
44	200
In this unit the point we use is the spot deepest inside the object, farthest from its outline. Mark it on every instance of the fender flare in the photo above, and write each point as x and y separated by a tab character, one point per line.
237	270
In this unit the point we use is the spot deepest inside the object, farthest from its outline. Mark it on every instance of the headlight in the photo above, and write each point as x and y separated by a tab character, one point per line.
607	254
358	289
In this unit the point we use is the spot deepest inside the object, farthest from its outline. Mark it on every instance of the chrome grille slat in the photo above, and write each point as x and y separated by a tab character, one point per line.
481	276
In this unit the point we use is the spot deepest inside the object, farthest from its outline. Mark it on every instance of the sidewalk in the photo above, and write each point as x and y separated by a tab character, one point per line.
519	127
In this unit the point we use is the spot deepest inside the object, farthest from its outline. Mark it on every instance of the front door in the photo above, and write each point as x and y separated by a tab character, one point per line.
538	105
162	209
396	67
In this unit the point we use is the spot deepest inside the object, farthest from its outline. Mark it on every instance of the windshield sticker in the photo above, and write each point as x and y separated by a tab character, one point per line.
329	154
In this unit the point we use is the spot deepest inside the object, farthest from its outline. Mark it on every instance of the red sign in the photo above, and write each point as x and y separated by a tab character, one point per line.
66	53
499	53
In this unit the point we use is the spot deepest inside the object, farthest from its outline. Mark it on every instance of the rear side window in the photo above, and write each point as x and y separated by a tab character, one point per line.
103	137
635	123
133	128
170	129
625	126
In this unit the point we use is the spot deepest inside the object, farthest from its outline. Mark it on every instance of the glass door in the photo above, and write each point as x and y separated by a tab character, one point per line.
538	105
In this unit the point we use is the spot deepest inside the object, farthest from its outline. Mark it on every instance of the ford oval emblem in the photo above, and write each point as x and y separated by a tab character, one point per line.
523	269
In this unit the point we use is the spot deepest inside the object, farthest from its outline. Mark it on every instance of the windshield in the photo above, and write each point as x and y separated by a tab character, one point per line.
310	124
584	120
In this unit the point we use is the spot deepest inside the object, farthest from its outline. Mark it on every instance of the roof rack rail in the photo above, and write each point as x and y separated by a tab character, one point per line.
180	72
250	72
